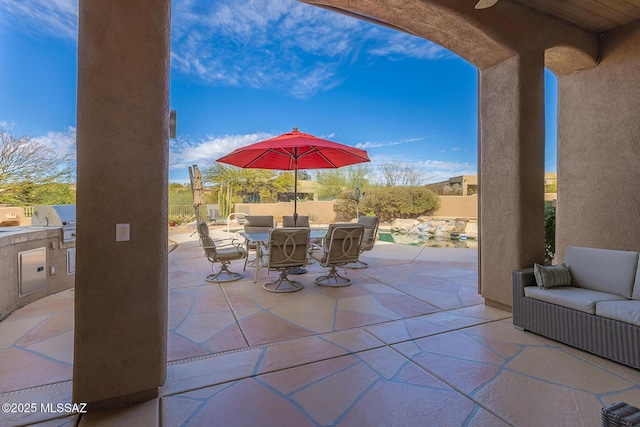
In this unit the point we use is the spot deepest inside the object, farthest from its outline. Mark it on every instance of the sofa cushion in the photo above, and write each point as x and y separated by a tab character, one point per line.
624	311
602	270
551	276
571	297
636	286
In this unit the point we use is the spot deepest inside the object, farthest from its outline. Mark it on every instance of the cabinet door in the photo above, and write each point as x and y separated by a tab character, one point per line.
32	274
71	261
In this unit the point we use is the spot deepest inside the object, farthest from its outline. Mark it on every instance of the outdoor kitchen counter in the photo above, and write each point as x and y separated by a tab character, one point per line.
52	273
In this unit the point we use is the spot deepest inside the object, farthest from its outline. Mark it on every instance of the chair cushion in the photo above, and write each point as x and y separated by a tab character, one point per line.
636	286
303	221
288	247
368	221
552	276
320	256
229	254
624	311
569	296
258	223
602	270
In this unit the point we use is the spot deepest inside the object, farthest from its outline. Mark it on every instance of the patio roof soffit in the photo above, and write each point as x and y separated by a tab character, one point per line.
483	37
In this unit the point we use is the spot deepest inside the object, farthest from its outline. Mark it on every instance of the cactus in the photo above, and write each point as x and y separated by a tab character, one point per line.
224	200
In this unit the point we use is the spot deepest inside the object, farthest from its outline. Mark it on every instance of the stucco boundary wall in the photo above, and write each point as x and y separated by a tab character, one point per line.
458	207
318	212
321	212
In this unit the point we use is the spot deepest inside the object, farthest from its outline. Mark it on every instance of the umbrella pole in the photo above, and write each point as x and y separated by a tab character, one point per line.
295	195
297	270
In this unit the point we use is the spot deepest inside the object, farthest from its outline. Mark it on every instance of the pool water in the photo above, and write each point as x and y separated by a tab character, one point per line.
429	241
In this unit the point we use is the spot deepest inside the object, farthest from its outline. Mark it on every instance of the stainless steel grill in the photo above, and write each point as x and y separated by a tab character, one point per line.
62	216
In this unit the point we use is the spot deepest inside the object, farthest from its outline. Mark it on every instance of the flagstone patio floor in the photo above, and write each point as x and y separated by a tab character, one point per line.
409	343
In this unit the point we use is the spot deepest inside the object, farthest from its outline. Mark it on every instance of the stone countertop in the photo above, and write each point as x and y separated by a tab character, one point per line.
12	235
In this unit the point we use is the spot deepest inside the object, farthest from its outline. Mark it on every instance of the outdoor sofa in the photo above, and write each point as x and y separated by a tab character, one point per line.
591	302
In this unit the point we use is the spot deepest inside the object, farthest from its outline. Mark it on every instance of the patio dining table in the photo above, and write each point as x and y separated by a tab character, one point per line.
262	239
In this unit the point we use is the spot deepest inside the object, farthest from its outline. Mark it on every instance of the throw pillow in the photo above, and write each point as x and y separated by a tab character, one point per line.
552	276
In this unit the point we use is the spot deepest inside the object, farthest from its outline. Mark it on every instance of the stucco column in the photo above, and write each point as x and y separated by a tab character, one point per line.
122	144
511	173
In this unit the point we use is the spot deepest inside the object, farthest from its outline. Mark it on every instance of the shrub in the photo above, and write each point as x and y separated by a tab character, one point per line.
389	203
549	232
181	219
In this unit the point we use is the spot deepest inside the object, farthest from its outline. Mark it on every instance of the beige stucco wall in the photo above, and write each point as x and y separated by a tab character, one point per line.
458	206
123	151
318	212
322	212
599	149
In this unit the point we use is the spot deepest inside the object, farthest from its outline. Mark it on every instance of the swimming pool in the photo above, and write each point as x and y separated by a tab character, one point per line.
429	241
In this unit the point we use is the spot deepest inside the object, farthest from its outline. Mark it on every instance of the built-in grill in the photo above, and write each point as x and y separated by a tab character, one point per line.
63	216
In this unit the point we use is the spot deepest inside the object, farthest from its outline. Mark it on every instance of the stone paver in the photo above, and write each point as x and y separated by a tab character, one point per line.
409	343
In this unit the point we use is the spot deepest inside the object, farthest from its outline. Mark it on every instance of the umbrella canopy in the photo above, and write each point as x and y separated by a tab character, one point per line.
292	151
295	150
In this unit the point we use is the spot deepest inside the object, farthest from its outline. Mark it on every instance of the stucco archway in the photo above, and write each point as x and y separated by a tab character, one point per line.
123	115
483	37
511	66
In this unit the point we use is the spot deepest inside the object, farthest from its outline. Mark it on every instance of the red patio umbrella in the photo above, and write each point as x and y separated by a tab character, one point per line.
292	151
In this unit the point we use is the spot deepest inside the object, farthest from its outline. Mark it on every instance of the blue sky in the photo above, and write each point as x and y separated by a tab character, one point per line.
246	70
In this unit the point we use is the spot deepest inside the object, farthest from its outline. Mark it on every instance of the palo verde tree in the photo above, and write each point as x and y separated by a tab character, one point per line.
32	173
248	184
334	182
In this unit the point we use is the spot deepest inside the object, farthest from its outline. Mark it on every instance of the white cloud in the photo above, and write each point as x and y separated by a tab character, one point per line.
272	44
281	45
400	45
64	143
371	144
58	18
433	170
185	153
6	125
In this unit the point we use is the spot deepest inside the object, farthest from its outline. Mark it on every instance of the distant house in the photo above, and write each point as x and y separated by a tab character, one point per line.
464	185
307	190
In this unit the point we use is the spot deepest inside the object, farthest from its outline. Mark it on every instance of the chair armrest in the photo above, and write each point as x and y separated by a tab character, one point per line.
522	278
230	241
316	247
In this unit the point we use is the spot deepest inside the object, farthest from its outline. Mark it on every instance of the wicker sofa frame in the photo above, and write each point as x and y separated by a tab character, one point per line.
608	338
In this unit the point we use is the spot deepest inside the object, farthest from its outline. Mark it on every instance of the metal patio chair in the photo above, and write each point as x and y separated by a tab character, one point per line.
370	224
221	251
256	224
287	249
341	247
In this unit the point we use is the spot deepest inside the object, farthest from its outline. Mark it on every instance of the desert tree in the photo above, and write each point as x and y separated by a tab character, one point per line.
246	183
334	181
396	174
32	173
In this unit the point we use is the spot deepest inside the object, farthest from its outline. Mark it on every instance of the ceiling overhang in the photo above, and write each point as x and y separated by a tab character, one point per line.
488	36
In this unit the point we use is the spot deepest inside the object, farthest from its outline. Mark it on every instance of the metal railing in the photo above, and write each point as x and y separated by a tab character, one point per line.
229	220
174	210
181	210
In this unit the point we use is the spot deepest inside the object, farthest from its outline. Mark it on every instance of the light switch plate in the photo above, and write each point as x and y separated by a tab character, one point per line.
123	232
